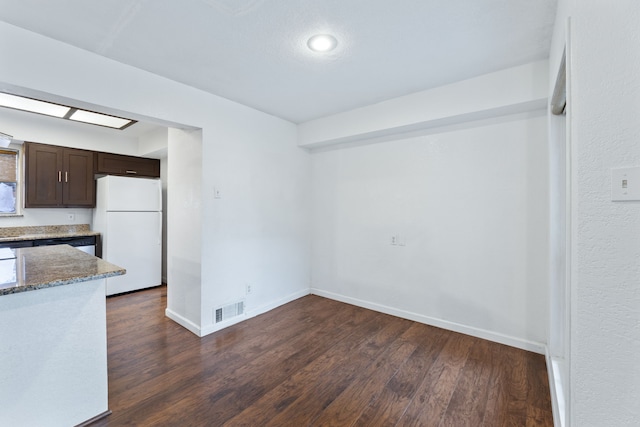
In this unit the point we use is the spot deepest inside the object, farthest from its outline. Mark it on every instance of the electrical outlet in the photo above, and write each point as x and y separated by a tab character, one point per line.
71	217
394	239
248	288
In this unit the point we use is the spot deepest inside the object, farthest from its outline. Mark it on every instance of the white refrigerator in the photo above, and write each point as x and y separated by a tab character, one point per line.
128	215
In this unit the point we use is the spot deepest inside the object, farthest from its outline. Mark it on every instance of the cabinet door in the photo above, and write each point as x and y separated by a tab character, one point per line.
43	183
78	183
118	164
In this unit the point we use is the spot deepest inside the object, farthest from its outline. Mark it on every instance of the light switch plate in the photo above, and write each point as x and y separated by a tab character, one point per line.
625	184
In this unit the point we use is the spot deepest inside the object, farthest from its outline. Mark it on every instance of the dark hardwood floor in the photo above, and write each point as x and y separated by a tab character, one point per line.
313	362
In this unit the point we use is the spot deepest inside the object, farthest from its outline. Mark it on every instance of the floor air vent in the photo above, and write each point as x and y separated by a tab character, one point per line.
229	311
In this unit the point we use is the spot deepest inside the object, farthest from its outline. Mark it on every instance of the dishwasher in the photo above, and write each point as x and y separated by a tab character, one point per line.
85	244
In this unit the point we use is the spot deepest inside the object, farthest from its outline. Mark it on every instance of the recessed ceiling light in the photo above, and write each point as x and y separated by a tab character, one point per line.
63	111
33	105
322	43
99	119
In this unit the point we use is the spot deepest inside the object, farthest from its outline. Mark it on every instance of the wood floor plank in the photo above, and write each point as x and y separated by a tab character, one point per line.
401	388
315	375
430	403
348	406
312	402
239	389
516	386
469	401
236	389
496	396
537	380
228	390
313	362
236	350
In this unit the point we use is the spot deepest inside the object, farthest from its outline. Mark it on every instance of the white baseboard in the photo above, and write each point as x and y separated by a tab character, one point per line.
277	303
182	321
206	330
444	324
254	312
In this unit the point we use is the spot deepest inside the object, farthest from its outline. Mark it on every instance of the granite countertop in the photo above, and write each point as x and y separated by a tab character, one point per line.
48	266
14	234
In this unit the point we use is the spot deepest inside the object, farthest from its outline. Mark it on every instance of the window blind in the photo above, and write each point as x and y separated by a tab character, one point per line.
8	165
8	181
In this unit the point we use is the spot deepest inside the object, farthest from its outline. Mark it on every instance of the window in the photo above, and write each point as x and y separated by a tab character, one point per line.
8	181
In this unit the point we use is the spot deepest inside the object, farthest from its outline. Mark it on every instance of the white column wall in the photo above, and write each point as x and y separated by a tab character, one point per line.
261	220
184	242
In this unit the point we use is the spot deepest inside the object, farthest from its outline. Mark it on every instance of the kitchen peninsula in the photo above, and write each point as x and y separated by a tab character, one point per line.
53	342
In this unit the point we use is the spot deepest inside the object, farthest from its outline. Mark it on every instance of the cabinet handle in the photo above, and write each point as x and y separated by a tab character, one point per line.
59	176
66	176
131	171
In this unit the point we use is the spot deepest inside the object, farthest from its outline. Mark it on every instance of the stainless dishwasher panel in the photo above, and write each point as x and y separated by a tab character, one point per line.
85	243
91	250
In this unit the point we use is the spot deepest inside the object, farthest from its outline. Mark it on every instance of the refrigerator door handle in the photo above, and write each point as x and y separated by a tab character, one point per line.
160	230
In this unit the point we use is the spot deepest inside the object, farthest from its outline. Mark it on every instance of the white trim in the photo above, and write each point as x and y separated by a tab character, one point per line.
277	303
525	88
440	125
572	230
182	321
222	325
252	313
444	324
555	389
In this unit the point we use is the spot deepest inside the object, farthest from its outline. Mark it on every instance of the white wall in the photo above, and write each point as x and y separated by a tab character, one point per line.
81	76
470	207
605	294
154	143
261	220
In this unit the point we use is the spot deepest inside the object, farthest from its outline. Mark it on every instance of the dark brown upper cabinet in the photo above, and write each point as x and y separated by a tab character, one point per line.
58	177
118	164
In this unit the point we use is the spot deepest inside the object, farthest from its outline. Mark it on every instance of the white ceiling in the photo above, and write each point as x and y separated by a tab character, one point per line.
254	51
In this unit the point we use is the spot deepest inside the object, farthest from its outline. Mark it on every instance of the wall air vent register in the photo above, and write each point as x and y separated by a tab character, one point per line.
229	311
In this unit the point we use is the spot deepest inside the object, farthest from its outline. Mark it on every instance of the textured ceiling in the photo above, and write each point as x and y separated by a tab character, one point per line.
254	51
